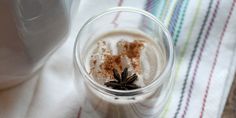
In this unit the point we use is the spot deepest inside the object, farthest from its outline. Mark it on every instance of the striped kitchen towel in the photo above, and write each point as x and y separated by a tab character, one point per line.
204	35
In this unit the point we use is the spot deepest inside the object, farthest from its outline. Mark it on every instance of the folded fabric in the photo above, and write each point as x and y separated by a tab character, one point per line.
204	35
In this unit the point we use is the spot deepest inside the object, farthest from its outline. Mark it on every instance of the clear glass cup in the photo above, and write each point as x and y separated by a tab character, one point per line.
145	102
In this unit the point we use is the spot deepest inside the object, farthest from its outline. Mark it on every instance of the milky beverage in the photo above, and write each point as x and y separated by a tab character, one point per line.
151	61
29	31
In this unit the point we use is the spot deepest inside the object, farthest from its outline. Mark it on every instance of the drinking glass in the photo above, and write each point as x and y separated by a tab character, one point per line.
145	102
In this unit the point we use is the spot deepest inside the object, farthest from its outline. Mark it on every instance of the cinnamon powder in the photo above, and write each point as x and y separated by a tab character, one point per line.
127	51
132	49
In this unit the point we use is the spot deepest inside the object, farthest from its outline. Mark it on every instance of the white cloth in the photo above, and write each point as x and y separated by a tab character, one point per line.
52	93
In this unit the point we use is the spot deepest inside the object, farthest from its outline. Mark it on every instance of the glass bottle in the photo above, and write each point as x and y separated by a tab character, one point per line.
30	31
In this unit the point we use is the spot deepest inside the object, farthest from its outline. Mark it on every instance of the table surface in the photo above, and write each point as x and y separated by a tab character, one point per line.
230	108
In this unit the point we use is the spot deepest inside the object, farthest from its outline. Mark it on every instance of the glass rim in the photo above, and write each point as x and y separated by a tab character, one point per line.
160	78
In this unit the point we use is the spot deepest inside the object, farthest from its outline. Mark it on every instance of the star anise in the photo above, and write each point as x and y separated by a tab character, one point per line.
123	82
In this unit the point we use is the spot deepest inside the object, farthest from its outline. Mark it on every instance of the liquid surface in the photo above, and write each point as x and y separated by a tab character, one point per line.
150	62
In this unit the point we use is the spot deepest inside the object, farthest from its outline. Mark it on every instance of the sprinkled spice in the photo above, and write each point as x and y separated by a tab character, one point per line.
132	49
128	55
110	62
